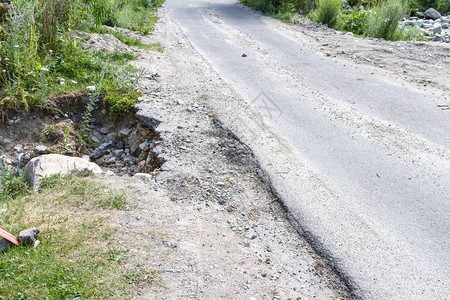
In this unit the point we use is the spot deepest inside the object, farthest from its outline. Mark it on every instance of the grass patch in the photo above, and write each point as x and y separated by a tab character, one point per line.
384	18
40	59
120	58
76	258
121	103
281	10
328	12
136	15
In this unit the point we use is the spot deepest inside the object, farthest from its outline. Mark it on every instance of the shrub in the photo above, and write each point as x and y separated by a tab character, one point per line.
355	22
384	19
328	12
425	4
265	6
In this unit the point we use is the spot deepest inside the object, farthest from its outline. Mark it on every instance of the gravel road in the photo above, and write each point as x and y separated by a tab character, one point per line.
357	149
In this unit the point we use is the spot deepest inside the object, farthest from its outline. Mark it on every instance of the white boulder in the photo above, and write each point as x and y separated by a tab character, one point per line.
46	165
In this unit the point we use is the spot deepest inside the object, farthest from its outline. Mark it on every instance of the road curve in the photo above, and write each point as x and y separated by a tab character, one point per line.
371	179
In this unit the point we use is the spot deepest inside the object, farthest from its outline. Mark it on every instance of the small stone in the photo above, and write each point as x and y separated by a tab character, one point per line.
139	217
118	152
28	236
437	29
17	148
1	140
112	136
121	145
187	140
110	173
144	146
221	201
90	88
244	55
104	130
419	14
125	132
41	149
4	245
431	13
100	151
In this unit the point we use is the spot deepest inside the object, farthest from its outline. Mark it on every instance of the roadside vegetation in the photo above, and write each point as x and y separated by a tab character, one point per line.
369	18
41	57
77	258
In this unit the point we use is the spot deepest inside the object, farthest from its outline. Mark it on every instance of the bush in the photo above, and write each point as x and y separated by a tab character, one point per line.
384	19
265	6
355	22
425	4
328	12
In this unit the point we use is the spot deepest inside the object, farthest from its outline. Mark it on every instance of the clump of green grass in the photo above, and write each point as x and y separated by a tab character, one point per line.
119	57
136	15
121	103
76	258
384	19
328	12
127	40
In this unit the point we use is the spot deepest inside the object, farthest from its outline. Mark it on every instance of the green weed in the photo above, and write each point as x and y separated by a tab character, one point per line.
121	103
356	22
328	12
384	19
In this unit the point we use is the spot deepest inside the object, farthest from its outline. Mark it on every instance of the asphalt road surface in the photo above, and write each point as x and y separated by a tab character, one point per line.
379	201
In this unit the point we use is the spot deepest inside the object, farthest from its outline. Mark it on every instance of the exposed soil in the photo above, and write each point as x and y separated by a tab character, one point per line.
124	147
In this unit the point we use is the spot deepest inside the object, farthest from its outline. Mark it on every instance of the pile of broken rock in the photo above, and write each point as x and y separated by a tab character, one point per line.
432	24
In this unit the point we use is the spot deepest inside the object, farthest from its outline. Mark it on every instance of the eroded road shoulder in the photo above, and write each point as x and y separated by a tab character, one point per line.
218	231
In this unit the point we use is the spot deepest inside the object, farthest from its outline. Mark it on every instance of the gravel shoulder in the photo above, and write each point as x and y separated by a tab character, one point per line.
425	65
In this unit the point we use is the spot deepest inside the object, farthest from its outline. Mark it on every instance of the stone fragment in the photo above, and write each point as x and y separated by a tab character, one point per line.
46	165
125	132
112	136
431	13
4	245
437	29
41	149
28	236
100	151
148	115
